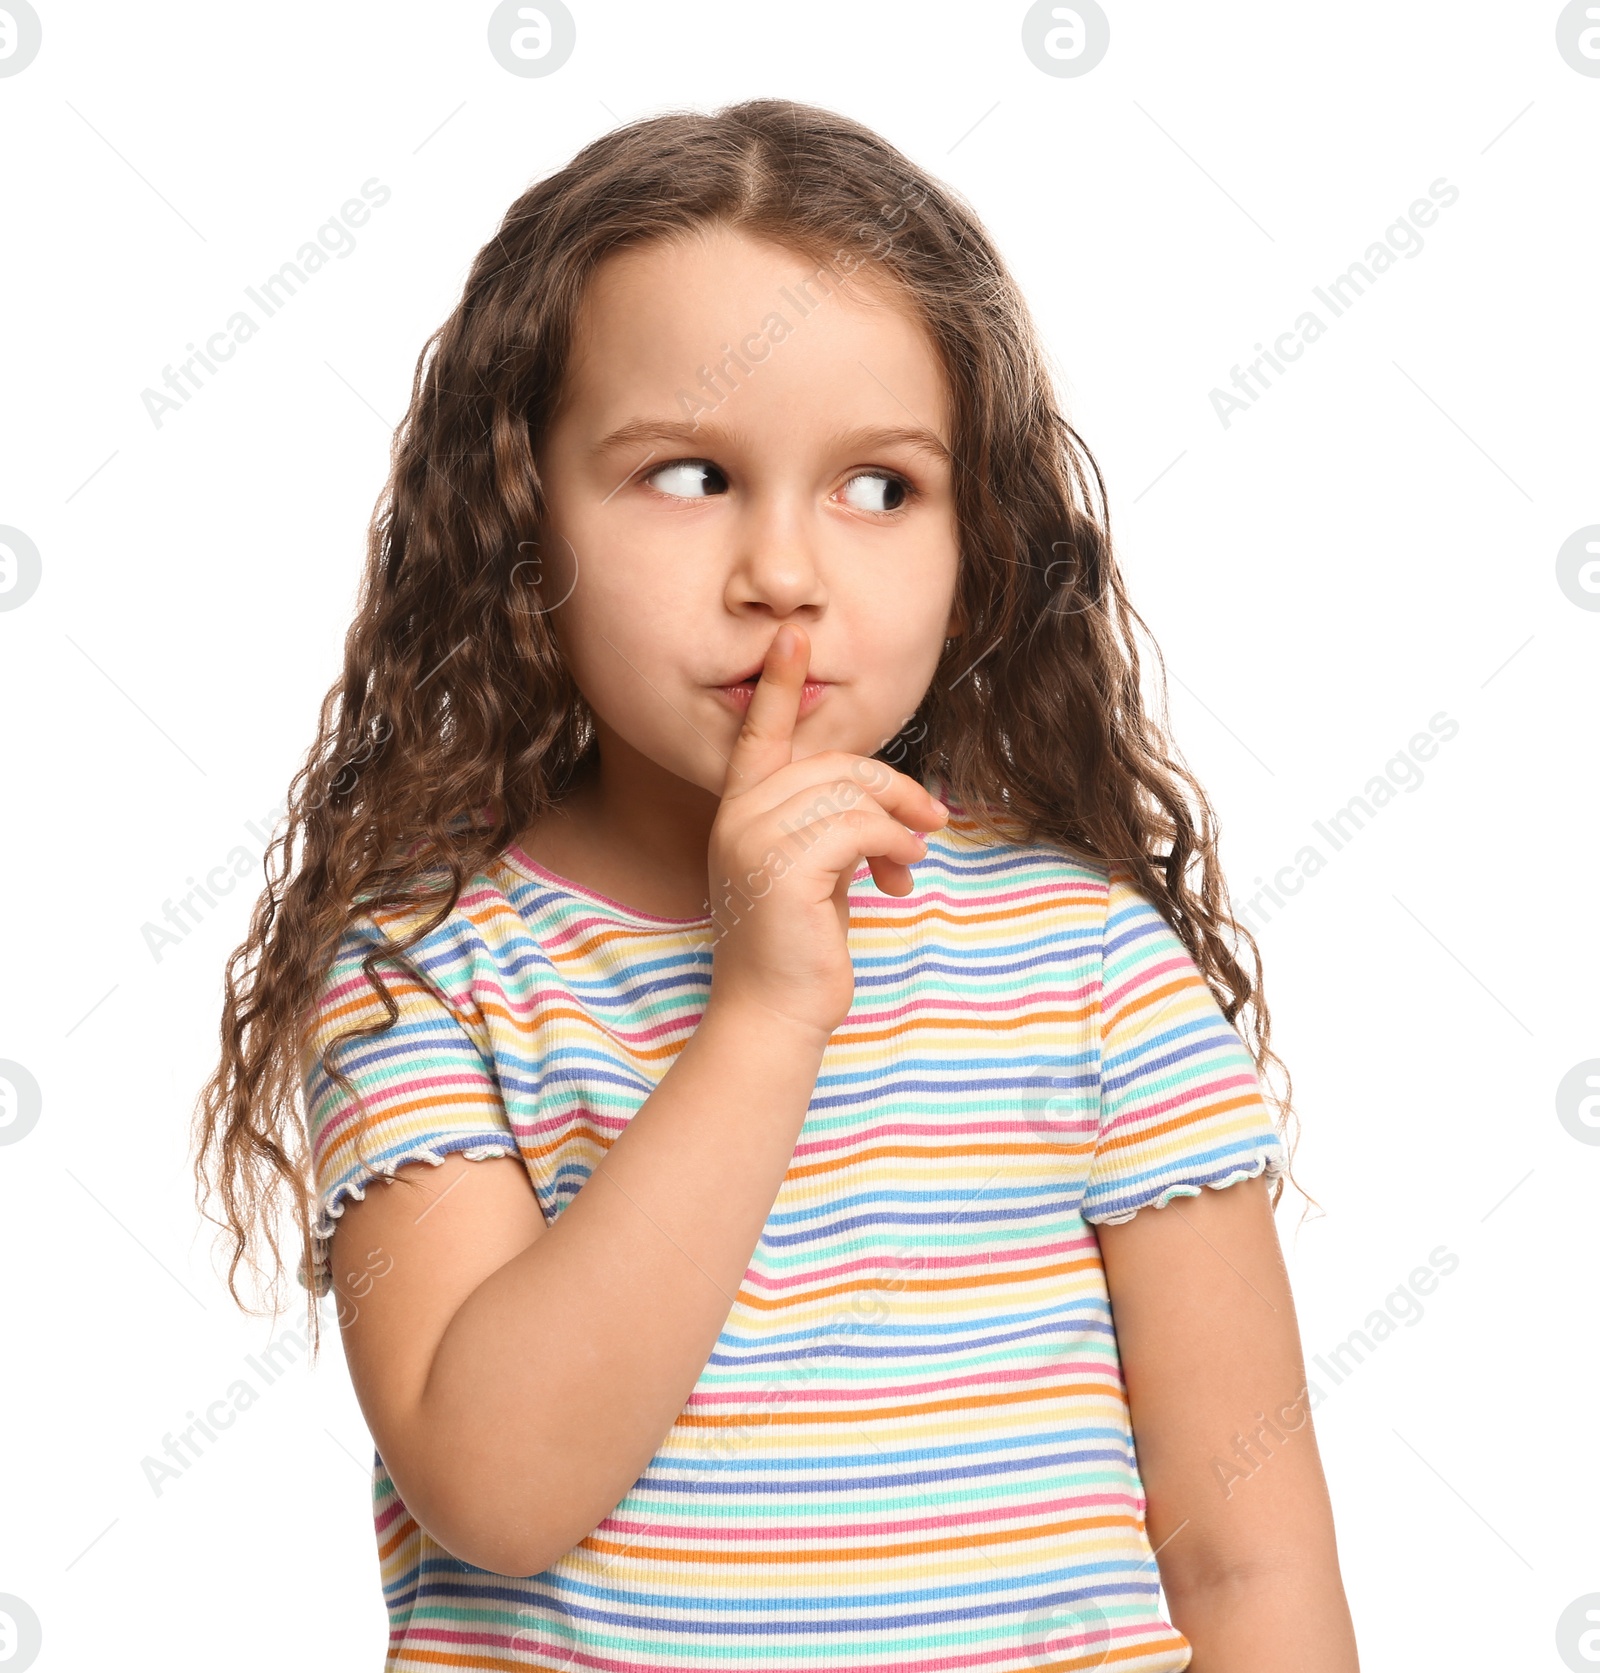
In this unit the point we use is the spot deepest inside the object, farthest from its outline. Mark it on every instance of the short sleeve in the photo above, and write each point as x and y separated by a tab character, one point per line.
425	1087
1181	1105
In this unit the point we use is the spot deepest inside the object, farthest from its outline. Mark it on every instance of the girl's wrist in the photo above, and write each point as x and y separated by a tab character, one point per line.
756	1026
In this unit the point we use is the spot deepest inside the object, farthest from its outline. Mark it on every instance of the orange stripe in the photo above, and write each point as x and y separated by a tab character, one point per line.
925	1408
449	1658
924	1286
1186	1118
1148	996
936	1151
405	1529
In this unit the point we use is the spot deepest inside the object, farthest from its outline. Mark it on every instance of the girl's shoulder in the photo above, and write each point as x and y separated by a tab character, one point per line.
988	839
985	855
983	871
482	919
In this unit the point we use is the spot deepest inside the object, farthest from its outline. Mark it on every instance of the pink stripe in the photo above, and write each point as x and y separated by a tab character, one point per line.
1019	1004
823	1275
1145	977
933	1129
1147	1112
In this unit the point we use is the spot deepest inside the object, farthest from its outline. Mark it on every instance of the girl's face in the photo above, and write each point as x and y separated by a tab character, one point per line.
695	507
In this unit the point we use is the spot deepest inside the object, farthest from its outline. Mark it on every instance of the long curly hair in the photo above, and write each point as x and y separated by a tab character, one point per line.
455	723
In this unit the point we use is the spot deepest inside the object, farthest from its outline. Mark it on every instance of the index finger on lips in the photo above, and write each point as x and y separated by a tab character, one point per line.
766	739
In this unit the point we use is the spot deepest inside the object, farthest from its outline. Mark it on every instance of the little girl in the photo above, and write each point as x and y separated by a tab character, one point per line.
765	903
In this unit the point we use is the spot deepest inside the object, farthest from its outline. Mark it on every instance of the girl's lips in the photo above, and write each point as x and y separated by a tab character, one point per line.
738	696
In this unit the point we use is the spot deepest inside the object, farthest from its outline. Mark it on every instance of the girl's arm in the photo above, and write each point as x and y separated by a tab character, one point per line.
518	1378
1238	1510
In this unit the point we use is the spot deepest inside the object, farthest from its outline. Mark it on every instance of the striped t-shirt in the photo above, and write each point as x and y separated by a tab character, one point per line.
910	1450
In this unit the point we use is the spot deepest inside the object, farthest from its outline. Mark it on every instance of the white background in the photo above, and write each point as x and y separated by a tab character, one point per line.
1372	543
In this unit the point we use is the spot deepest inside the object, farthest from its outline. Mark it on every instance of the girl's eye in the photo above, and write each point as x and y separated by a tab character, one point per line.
694	479
895	493
679	479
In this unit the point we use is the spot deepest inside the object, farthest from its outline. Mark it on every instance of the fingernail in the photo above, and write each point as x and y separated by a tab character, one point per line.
785	641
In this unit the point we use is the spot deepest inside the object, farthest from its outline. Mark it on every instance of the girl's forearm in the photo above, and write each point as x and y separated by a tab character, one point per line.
1290	1620
557	1379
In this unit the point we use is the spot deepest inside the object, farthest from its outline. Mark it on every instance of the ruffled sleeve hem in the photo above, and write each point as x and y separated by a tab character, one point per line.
1270	1162
477	1148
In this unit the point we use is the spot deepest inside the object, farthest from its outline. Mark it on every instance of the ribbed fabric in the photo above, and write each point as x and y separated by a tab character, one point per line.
910	1450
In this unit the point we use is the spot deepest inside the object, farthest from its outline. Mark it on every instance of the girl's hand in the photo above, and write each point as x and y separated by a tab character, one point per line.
785	844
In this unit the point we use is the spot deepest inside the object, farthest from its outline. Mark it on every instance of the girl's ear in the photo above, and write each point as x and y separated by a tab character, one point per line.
957	624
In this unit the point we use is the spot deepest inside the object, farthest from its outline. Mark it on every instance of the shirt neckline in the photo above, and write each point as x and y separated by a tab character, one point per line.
520	860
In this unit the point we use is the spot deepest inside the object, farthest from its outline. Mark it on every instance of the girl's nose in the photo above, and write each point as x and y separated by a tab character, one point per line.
776	568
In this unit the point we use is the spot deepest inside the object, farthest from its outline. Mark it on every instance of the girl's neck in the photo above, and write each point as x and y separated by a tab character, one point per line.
631	830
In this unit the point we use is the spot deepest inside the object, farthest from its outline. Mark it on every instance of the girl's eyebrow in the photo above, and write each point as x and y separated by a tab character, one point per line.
864	439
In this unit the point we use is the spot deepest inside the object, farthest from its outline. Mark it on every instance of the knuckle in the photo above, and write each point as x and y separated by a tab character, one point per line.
820	807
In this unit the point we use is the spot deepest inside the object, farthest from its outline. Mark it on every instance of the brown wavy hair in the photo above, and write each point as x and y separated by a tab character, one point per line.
455	724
